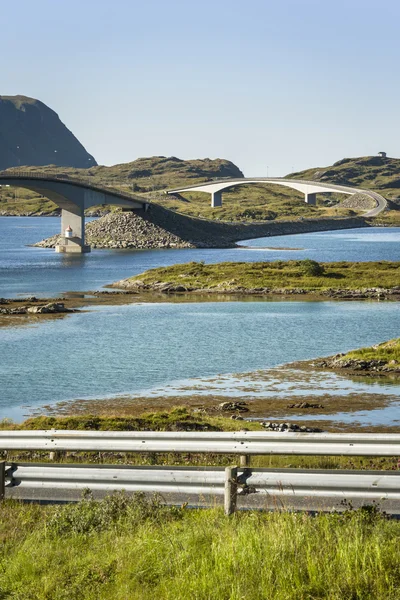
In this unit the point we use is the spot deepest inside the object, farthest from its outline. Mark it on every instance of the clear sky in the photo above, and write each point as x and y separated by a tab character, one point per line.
273	85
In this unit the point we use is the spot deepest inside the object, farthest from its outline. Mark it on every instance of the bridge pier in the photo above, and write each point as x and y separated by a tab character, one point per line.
216	199
75	242
311	199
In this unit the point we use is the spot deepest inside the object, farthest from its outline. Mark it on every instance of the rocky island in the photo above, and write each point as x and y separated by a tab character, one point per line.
344	280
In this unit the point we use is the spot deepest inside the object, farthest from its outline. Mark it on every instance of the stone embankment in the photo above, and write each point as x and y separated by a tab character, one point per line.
163	228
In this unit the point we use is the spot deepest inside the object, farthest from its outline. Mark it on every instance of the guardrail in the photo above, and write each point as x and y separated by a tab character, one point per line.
246	487
237	442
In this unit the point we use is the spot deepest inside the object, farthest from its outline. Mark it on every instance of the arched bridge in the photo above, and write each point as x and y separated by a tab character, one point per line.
73	196
309	188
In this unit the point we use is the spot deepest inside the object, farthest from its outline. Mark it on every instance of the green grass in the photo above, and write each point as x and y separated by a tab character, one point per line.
123	549
387	352
277	274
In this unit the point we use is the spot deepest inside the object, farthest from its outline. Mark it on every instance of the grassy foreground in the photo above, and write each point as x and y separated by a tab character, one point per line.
305	274
124	548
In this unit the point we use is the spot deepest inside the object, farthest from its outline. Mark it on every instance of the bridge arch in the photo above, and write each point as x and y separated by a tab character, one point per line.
309	188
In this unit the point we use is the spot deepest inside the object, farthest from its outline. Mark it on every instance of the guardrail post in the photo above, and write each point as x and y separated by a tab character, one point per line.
2	479
230	490
244	460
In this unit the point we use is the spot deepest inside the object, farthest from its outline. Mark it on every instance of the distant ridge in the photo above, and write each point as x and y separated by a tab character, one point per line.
32	134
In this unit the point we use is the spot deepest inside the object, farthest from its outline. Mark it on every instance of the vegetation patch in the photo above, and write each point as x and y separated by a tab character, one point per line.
306	275
124	547
382	358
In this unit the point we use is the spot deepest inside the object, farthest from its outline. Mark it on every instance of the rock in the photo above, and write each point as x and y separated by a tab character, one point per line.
289	427
232	406
51	307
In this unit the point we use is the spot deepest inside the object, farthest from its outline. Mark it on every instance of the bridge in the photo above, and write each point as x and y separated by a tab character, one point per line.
73	196
310	190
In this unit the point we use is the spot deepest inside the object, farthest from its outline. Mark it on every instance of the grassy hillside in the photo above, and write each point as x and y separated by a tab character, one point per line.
151	176
371	172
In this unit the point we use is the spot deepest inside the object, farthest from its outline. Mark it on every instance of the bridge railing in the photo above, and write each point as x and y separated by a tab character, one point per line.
233	485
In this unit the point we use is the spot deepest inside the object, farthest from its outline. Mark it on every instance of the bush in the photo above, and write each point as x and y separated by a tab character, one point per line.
91	515
312	267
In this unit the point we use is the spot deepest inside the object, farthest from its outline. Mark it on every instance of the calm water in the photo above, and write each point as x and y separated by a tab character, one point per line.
25	270
127	349
116	350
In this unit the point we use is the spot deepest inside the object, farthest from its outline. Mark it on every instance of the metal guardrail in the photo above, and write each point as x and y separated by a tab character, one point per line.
238	442
202	485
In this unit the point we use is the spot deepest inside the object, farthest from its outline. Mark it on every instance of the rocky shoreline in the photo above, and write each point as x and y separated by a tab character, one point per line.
33	307
374	293
339	362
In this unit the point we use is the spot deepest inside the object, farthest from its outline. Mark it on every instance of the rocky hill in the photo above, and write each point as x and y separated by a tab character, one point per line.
31	133
372	172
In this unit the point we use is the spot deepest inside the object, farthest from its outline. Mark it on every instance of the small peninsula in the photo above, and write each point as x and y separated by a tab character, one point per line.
381	358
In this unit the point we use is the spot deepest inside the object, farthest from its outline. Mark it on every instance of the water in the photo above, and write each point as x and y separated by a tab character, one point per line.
137	348
25	270
116	350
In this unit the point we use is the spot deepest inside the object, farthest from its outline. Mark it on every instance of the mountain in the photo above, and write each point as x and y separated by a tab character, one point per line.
31	133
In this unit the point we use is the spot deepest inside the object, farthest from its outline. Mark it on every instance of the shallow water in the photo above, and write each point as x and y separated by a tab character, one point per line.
115	350
25	270
142	348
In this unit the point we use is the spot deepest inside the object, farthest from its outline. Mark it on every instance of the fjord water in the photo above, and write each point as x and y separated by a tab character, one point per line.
116	350
113	350
26	270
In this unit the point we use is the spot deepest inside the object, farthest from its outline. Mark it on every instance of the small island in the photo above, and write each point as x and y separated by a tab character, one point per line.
344	280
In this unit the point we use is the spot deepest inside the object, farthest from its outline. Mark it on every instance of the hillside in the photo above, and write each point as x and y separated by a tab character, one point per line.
152	175
145	175
372	172
31	133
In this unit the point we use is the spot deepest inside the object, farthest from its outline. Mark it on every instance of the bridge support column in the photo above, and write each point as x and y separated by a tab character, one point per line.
311	199
216	199
75	244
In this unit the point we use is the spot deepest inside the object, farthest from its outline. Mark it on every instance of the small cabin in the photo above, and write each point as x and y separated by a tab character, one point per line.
382	154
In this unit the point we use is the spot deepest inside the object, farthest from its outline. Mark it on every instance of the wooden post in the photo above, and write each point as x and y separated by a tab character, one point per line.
244	460
2	479
230	490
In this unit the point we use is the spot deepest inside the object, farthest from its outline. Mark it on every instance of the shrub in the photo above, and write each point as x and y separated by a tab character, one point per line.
312	267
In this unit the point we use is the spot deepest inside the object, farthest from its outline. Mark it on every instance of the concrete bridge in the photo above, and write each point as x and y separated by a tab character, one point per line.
310	190
73	196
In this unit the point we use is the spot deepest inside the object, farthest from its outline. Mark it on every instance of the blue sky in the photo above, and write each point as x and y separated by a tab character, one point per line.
273	85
